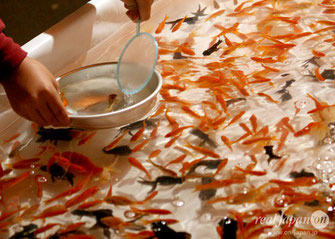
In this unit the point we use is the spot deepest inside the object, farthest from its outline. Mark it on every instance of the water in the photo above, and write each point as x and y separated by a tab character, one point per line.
324	167
130	214
301	104
42	179
98	96
178	203
206	217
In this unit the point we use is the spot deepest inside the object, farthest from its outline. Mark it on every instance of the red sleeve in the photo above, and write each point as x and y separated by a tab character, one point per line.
11	54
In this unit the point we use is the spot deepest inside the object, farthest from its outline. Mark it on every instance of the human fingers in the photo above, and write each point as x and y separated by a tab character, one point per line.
46	114
133	15
144	9
59	111
40	102
132	12
56	105
130	4
138	9
37	117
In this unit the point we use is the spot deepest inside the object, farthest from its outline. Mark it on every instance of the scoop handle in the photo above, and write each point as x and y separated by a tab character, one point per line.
138	25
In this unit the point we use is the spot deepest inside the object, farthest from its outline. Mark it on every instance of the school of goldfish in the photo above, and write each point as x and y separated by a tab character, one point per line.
243	132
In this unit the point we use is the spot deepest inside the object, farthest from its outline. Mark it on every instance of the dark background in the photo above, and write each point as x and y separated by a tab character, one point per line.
25	19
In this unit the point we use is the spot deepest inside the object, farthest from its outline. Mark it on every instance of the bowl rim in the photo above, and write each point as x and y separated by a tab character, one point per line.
103	115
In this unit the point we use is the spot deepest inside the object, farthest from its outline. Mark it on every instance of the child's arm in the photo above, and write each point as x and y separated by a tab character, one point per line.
31	89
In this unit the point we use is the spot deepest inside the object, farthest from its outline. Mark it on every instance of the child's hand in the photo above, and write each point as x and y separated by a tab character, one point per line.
138	9
33	94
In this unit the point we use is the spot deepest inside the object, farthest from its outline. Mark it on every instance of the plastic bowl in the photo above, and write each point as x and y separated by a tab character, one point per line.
88	83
